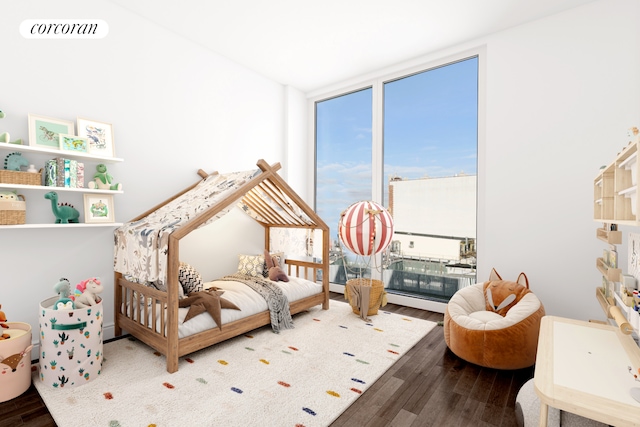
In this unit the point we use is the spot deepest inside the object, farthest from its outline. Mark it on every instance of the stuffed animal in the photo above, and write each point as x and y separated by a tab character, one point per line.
275	272
63	289
10	196
500	295
3	325
4	137
88	291
102	180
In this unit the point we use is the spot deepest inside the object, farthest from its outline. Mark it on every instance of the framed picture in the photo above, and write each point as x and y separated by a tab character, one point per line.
99	137
73	143
45	132
98	208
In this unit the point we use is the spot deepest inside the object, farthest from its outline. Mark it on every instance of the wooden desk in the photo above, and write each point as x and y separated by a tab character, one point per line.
582	368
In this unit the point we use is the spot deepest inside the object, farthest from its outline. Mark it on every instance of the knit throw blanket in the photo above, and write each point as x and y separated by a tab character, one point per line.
276	300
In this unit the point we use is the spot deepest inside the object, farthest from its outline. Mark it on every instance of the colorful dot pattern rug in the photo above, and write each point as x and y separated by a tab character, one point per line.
306	376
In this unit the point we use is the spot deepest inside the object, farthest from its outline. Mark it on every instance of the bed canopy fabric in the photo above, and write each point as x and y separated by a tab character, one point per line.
141	245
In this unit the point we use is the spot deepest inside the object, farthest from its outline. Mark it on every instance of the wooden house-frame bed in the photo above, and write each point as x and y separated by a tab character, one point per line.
269	200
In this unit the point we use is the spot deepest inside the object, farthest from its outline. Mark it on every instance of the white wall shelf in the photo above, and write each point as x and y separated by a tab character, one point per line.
79	225
37	191
46	188
73	154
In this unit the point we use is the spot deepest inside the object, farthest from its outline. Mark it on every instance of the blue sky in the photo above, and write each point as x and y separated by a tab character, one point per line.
430	129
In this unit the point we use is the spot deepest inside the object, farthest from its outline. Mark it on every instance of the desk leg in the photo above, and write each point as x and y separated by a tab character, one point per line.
544	414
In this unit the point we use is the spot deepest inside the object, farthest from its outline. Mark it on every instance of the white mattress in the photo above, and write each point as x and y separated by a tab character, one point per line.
249	301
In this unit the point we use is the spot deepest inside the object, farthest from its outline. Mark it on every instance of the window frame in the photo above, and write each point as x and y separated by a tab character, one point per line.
376	82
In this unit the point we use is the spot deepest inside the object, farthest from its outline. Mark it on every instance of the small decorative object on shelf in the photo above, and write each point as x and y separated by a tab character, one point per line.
12	208
103	180
14	161
11	173
4	137
64	212
11	196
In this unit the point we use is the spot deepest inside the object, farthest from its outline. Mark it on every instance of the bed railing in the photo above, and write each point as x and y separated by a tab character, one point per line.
308	270
142	306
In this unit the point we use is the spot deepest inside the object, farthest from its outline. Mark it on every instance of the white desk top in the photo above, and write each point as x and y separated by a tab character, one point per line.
582	368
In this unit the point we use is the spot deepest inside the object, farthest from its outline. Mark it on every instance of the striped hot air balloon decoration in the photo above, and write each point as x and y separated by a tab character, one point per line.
366	228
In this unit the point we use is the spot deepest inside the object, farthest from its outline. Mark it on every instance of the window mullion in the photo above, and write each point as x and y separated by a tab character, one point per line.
377	160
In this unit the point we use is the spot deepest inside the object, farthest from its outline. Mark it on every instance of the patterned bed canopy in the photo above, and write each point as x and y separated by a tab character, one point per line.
141	245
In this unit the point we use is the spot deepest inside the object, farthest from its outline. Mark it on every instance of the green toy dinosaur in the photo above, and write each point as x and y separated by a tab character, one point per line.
102	179
64	213
5	137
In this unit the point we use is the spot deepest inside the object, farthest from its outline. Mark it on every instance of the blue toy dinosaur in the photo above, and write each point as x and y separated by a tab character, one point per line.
13	161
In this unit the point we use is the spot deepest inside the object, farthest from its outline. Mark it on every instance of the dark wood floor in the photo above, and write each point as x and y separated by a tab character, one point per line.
428	386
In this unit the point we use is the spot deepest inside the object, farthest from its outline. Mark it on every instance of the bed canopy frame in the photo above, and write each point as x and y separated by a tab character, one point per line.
270	201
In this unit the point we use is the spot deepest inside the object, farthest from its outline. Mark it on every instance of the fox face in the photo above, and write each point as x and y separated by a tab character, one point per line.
501	295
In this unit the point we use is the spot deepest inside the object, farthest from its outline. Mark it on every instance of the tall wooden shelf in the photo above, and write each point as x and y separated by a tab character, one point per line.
615	189
615	203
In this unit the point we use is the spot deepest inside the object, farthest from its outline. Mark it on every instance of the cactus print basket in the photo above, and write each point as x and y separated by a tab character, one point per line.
70	344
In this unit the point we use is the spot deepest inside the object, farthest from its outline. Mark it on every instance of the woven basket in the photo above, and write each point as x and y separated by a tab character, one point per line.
13	212
19	177
376	295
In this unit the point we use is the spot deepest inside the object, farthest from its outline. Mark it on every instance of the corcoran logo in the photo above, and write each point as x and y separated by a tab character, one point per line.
64	28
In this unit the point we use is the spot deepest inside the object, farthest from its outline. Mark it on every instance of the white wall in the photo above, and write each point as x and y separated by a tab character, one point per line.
175	108
560	94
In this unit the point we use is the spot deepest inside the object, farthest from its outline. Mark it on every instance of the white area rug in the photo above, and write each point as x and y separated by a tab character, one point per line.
305	376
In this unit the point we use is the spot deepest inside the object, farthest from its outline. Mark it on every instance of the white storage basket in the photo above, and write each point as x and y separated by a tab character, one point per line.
15	360
70	344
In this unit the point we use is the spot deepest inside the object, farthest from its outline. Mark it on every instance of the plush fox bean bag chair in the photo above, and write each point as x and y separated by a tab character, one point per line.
494	324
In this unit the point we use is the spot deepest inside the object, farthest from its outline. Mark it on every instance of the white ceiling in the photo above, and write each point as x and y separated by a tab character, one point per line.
311	44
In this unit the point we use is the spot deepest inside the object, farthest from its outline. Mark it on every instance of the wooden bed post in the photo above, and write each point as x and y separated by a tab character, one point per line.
117	303
173	265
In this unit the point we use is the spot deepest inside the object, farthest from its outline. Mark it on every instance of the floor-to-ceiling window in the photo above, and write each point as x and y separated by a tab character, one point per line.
409	142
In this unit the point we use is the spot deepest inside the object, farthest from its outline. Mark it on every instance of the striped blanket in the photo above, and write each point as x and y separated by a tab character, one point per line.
276	300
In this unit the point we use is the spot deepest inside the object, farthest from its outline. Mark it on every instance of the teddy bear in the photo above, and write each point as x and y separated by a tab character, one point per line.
275	272
103	180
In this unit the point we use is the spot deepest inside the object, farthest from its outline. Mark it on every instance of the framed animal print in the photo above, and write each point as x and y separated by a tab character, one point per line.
44	132
99	137
98	208
73	143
